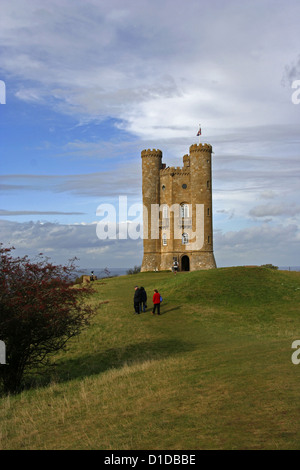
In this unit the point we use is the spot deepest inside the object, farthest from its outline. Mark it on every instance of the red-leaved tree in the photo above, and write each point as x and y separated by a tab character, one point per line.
39	312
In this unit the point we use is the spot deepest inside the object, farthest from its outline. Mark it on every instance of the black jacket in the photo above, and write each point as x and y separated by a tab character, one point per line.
143	294
137	296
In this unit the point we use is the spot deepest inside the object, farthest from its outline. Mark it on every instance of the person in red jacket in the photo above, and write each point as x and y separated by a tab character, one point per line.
156	302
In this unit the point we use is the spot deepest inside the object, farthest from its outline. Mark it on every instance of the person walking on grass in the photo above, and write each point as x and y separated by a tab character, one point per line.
136	300
156	302
143	304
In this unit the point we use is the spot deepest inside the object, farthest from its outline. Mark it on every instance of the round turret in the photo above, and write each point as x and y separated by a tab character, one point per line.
151	166
201	189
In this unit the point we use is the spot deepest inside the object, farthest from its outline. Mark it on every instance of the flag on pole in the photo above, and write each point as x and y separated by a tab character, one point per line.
199	133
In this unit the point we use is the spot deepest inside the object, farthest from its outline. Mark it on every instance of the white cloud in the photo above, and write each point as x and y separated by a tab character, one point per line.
119	180
156	66
268	194
275	210
63	242
16	213
159	69
258	245
253	245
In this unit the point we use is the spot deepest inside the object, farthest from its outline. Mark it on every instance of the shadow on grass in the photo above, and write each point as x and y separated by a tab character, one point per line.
163	309
114	358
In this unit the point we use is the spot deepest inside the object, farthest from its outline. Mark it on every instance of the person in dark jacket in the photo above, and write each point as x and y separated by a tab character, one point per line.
143	304
137	300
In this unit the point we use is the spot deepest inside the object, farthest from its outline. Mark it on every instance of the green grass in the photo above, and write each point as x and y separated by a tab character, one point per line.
214	371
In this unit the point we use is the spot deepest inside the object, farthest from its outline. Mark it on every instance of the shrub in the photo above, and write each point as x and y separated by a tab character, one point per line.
270	266
39	313
134	270
78	280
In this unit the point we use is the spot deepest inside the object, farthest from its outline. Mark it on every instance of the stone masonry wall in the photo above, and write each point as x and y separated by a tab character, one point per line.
190	185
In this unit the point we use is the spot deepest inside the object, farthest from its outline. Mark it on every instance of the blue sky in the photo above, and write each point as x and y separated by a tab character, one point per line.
89	84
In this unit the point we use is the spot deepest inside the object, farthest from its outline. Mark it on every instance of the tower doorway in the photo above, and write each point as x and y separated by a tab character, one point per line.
185	263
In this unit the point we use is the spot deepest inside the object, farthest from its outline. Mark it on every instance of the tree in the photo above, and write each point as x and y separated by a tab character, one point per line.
107	272
134	270
270	266
39	312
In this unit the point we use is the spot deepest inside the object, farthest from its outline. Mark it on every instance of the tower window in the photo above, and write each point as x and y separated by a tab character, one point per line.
164	239
165	212
185	239
208	212
184	186
184	210
208	184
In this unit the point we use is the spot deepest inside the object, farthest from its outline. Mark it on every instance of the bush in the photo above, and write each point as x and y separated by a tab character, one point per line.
270	266
134	270
39	313
78	280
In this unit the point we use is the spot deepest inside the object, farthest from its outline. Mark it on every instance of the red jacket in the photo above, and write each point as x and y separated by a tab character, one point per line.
156	298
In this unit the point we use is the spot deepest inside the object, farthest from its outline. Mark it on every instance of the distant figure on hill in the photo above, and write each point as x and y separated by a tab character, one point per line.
156	302
143	303
175	267
92	277
137	300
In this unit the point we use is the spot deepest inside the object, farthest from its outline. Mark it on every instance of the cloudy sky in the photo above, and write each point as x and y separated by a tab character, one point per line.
91	83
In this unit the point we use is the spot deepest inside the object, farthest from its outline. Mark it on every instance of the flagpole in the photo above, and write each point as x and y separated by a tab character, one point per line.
199	133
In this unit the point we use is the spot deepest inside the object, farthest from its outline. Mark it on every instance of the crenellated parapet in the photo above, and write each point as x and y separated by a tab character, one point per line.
151	153
200	148
172	171
186	161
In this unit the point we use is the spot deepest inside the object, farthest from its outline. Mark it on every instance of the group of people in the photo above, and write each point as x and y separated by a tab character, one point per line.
140	301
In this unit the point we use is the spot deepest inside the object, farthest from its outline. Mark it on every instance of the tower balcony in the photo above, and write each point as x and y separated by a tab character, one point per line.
185	222
164	223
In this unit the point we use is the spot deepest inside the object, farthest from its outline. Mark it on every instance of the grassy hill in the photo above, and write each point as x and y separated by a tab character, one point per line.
214	371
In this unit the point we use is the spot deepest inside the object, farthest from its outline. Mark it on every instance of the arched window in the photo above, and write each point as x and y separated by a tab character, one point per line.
184	210
165	212
185	239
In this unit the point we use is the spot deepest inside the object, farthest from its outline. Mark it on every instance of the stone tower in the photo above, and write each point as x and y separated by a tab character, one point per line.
177	215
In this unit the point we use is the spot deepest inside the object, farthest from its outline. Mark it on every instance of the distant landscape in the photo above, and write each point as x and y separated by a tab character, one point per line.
289	268
100	273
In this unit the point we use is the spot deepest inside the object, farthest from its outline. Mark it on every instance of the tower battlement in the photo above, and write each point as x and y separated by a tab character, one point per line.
200	148
172	170
151	153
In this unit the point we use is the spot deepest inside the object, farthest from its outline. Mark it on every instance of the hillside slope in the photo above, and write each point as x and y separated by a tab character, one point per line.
214	371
